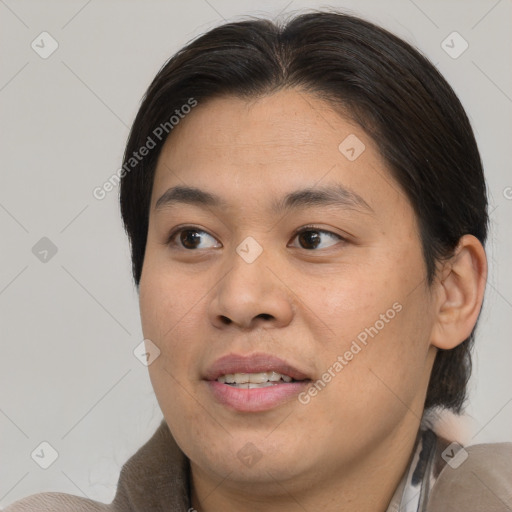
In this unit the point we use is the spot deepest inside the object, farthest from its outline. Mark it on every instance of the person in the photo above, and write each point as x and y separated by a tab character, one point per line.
307	214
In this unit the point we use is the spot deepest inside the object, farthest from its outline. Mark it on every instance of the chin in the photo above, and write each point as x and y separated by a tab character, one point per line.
253	466
248	456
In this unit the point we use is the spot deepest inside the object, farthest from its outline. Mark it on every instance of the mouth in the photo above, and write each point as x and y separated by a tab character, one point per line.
254	383
254	380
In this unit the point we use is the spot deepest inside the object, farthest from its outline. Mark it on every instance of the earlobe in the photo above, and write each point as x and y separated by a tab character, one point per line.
460	292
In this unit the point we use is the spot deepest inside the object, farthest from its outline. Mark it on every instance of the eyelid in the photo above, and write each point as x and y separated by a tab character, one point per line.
312	227
179	229
302	229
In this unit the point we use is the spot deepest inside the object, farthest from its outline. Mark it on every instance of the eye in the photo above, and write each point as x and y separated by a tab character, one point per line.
311	237
191	238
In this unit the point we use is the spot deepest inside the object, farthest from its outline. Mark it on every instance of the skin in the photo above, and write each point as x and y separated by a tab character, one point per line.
302	303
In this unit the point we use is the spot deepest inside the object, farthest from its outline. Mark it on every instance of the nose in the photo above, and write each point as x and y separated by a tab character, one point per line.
251	295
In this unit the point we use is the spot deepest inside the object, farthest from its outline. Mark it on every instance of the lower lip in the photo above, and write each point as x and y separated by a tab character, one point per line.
255	400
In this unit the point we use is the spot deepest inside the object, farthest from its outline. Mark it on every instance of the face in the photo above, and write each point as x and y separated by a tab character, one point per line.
286	292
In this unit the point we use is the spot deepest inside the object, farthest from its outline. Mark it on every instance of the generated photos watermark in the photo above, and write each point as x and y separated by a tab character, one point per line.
158	134
355	348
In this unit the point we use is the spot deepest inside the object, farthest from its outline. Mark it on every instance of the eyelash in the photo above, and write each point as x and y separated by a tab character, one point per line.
307	228
170	239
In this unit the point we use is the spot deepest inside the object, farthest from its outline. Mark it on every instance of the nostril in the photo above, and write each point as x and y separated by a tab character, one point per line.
265	316
225	320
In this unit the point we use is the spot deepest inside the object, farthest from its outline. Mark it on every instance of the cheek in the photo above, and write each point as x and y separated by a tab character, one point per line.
168	308
166	300
352	303
379	324
172	308
384	357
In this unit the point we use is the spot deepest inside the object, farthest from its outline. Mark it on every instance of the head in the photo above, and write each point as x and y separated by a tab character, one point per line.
311	191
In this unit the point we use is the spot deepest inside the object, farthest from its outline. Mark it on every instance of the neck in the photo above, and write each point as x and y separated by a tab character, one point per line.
367	484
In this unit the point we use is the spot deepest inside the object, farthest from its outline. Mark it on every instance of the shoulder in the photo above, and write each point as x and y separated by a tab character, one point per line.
154	478
57	502
473	479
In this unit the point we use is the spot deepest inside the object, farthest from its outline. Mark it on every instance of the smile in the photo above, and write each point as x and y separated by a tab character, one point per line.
253	380
254	383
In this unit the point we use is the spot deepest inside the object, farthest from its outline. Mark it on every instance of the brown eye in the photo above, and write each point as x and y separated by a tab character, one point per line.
313	238
309	239
192	239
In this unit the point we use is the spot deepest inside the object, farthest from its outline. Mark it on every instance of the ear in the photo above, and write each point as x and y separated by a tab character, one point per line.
459	293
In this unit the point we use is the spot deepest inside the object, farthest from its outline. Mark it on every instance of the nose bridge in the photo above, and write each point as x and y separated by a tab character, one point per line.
249	290
249	275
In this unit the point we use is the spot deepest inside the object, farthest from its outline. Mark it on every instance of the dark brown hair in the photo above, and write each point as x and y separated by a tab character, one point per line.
394	93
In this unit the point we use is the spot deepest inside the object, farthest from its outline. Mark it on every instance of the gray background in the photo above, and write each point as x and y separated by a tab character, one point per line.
69	324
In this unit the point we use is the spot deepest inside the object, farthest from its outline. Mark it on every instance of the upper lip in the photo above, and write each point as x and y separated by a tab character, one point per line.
254	363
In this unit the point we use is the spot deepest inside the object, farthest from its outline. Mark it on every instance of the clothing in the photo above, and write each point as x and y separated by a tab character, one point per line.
156	479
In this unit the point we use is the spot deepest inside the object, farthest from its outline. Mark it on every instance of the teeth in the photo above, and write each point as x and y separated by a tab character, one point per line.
250	385
261	379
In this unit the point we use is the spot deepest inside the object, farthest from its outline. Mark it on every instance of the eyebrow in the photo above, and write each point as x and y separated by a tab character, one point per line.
327	195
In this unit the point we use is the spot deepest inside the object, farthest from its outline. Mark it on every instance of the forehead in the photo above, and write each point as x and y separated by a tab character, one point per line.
262	148
288	120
